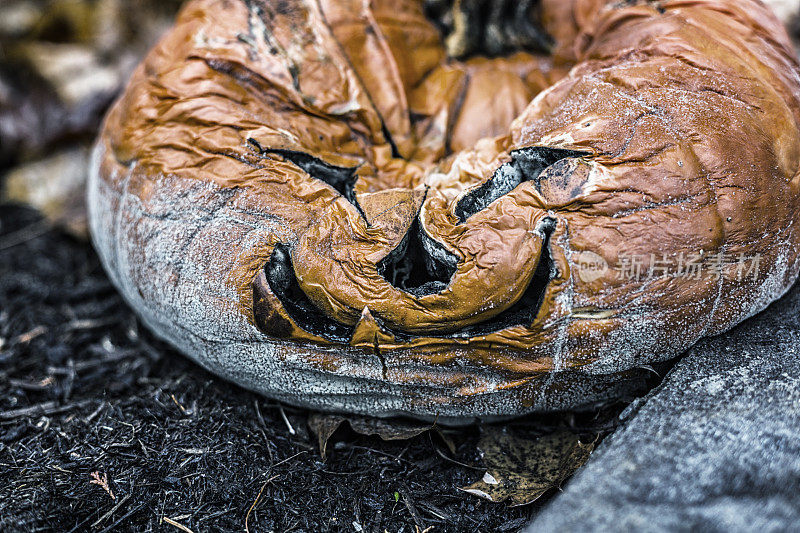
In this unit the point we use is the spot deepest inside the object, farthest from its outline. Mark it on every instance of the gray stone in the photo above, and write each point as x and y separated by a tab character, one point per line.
716	447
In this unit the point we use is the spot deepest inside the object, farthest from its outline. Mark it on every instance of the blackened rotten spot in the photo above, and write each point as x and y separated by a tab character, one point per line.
419	265
342	179
526	164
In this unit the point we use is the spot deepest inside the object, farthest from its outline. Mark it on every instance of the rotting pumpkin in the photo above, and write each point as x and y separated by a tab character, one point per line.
313	199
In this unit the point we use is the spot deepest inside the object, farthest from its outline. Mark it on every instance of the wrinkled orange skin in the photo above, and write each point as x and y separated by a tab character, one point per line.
688	110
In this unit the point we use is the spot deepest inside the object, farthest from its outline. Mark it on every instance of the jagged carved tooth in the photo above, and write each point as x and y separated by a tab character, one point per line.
368	332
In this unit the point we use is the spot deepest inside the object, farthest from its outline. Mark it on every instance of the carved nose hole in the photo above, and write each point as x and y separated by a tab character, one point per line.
419	265
526	164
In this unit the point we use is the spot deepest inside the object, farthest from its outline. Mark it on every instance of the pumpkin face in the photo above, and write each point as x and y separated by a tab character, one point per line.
315	200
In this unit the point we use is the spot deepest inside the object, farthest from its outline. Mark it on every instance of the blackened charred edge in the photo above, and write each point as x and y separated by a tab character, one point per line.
526	32
278	276
389	139
265	316
419	265
282	281
342	179
526	164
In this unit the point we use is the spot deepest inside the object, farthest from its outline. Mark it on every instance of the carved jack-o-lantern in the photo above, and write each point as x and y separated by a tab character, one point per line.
314	199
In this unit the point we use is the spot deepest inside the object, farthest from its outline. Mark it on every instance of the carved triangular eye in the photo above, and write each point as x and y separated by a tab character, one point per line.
342	179
526	165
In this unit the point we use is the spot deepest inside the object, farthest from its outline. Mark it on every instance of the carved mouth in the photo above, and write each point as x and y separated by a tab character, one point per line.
280	277
282	282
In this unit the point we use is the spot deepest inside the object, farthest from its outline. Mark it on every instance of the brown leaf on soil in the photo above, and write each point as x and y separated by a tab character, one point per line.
520	470
325	425
387	429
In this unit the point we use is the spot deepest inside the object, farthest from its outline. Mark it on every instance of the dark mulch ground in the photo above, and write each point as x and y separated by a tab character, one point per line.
86	391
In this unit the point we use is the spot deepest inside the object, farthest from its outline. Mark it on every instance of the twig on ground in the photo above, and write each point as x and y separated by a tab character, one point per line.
102	482
26	234
42	409
255	502
180	526
286	420
409	503
111	511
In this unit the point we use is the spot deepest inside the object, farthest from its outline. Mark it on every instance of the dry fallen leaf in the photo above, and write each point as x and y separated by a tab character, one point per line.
521	469
387	429
325	425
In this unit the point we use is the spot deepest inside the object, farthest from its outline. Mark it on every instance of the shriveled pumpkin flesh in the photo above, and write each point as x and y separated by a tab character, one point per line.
426	200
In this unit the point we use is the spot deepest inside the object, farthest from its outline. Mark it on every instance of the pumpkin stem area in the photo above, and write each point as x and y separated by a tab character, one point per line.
488	27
